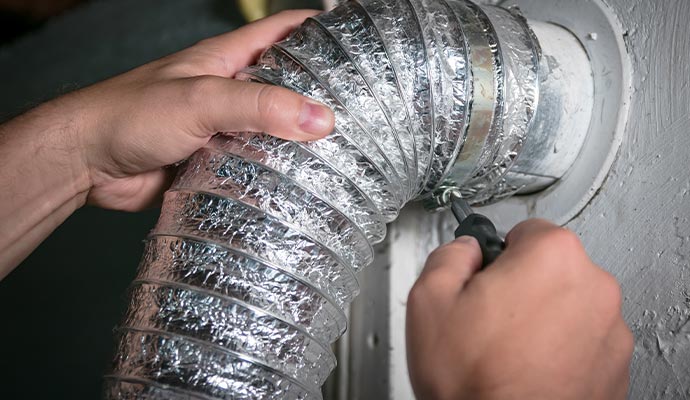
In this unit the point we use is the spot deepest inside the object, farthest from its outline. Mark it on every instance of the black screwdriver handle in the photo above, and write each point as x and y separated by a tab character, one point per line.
482	229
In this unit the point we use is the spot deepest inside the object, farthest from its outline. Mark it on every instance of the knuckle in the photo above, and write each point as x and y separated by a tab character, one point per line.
199	90
177	68
627	340
196	96
178	65
267	101
288	14
205	48
284	13
564	239
559	249
206	42
457	246
208	57
204	58
561	239
611	293
417	294
437	253
527	224
450	249
437	260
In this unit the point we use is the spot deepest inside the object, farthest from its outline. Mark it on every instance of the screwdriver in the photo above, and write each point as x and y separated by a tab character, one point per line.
479	227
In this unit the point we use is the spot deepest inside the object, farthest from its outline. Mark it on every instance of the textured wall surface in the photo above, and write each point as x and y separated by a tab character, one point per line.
638	227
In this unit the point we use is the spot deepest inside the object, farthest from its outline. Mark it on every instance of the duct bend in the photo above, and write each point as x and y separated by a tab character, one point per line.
243	284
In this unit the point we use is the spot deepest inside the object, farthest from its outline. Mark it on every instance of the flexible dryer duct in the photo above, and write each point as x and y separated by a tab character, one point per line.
245	278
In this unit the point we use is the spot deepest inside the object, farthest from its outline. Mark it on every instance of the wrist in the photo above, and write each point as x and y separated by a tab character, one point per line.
59	126
44	178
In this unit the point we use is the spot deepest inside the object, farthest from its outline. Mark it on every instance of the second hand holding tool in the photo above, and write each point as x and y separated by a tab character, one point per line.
479	227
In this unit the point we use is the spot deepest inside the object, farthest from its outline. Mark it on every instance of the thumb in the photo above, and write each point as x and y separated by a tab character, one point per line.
451	266
229	105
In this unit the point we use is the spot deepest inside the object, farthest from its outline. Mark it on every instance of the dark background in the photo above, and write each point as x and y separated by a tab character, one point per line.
58	309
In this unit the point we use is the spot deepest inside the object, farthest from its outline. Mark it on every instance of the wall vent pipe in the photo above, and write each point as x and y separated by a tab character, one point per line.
244	279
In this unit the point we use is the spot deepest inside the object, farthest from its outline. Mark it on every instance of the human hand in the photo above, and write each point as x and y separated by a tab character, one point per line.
108	144
131	126
542	322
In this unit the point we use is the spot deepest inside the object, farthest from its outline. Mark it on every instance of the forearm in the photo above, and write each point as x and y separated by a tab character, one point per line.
43	178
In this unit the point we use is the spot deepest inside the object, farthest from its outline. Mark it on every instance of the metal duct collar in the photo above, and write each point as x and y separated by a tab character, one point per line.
530	103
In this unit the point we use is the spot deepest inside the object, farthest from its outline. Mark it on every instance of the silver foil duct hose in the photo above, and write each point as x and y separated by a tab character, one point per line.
243	284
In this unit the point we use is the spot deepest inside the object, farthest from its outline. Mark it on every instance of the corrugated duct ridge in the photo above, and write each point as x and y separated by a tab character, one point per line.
243	283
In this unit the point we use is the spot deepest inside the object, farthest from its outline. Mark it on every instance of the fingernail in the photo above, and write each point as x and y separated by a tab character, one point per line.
315	119
465	239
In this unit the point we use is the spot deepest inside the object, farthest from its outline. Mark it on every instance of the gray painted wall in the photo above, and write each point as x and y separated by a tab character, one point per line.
638	227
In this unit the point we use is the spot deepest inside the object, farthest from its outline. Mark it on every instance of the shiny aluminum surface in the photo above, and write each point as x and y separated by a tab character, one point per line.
561	122
319	54
520	57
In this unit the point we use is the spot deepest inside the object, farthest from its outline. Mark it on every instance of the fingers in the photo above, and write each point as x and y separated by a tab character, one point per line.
528	229
446	272
242	46
538	236
449	267
227	105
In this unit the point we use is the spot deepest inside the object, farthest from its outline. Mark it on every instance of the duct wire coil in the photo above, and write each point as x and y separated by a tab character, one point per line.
243	284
